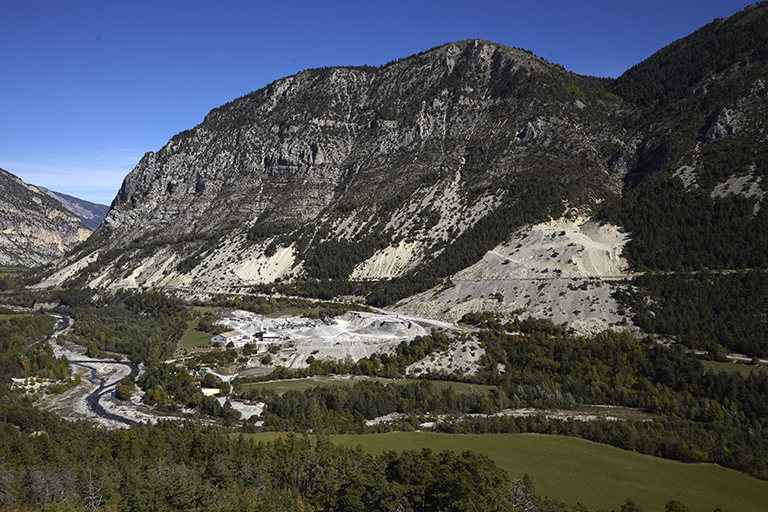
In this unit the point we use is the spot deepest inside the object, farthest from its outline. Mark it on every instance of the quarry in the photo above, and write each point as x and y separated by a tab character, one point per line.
294	339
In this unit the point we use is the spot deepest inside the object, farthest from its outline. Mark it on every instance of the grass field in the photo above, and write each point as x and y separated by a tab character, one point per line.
193	338
9	316
12	270
574	470
281	386
744	369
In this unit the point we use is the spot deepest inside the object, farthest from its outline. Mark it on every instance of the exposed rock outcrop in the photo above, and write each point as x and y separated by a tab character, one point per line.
410	154
34	228
725	124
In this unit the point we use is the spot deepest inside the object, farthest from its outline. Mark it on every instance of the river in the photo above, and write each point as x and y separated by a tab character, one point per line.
104	388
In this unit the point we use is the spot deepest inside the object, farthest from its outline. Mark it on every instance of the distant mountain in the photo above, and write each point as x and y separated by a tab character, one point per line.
467	173
91	214
34	228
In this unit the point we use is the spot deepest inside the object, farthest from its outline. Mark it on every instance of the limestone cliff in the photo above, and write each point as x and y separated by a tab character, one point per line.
410	154
34	228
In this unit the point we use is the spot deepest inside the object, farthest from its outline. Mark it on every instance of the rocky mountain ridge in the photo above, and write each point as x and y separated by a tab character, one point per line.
384	182
34	228
90	214
418	150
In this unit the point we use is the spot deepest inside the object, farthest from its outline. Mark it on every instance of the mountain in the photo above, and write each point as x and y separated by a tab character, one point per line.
91	214
324	173
469	177
34	228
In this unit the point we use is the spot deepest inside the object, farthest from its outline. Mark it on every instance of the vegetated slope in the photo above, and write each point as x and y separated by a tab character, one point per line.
694	197
445	152
676	70
91	214
385	182
34	228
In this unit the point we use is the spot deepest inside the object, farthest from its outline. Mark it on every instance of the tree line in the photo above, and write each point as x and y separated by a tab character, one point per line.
171	466
699	415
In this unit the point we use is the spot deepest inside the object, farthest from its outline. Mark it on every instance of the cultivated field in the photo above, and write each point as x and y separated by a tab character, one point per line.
744	369
9	316
574	470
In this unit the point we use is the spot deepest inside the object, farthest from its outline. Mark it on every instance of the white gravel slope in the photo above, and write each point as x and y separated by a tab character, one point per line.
565	269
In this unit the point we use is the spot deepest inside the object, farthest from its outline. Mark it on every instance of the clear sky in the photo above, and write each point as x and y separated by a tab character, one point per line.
87	87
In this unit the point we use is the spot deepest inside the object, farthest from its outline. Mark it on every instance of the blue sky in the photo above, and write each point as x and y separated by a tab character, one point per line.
87	87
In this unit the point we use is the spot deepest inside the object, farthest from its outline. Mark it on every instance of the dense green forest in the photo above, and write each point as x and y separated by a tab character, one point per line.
19	356
668	74
675	230
705	311
145	327
704	262
172	466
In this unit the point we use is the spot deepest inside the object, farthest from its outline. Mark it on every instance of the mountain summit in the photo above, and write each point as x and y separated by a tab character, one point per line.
345	164
383	182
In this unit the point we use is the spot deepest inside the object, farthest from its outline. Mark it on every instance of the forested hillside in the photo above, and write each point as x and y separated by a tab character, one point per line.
694	203
668	75
187	467
366	186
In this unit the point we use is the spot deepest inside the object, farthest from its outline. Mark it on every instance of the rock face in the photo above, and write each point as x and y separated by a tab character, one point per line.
410	154
34	228
91	214
358	136
723	126
420	172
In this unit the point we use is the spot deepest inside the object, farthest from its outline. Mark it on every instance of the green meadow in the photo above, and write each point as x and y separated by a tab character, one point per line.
743	369
12	270
193	338
574	470
8	316
281	386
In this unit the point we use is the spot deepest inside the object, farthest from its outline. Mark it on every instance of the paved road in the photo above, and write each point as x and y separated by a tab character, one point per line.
742	359
428	321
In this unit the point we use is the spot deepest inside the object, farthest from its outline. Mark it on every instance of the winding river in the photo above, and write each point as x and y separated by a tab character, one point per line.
93	399
103	388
